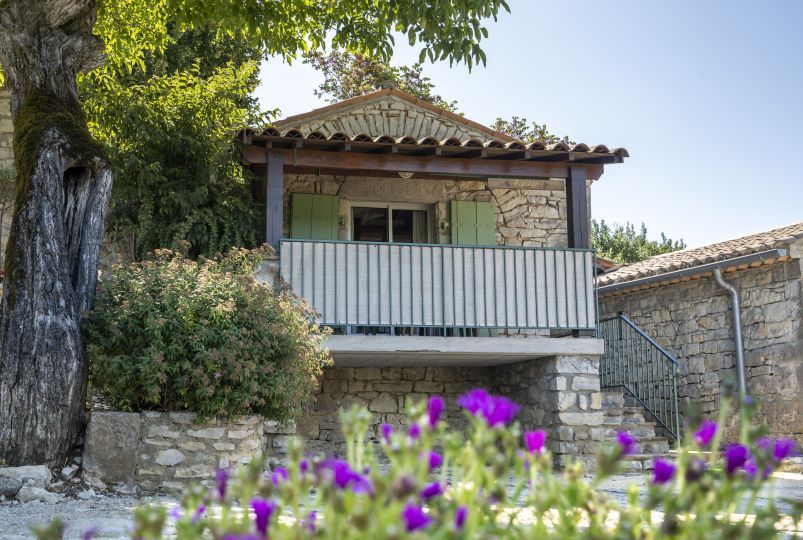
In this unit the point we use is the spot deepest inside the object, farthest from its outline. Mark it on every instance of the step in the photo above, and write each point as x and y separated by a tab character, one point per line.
610	432
613	399
654	445
642	462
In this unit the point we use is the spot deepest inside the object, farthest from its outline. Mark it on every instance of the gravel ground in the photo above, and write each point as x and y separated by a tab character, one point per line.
113	514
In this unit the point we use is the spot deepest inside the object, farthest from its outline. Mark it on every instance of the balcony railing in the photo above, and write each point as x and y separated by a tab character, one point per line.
442	286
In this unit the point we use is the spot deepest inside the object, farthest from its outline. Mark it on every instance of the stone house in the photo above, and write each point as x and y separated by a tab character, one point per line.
445	256
675	300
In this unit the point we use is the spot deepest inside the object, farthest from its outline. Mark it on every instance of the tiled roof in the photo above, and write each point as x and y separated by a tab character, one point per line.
689	258
580	152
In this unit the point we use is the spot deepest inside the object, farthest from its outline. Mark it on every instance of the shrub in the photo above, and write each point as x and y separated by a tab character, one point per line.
497	483
175	334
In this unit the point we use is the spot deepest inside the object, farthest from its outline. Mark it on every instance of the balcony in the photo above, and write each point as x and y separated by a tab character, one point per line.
444	303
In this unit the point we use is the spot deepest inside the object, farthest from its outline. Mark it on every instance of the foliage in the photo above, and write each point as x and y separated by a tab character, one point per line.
348	75
169	139
495	482
7	192
175	334
519	129
623	245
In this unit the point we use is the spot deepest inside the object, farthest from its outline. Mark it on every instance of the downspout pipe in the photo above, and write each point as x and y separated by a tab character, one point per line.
737	330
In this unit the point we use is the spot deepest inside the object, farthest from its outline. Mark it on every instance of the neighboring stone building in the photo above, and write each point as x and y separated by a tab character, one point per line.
445	256
675	300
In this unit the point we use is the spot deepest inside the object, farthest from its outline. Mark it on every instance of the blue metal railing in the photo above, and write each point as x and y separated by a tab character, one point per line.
443	286
645	370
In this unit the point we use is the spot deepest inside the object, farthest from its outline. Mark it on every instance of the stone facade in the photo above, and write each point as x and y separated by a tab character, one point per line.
386	113
560	394
524	217
159	450
693	321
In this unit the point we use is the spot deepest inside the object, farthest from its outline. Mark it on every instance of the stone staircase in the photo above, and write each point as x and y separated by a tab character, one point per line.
622	413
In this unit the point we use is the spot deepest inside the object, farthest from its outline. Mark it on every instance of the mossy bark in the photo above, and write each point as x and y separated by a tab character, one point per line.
64	183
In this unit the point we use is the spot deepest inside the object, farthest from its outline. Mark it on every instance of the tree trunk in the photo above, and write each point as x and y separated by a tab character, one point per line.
63	188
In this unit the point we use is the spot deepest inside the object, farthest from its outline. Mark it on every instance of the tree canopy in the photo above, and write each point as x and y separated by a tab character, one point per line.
624	245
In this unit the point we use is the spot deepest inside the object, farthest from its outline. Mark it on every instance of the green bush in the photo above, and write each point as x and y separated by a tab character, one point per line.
171	333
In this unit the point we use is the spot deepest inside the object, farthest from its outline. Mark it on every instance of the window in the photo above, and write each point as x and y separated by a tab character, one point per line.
390	223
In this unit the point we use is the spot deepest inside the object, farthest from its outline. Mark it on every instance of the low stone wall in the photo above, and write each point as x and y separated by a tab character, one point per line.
693	321
6	130
156	450
560	394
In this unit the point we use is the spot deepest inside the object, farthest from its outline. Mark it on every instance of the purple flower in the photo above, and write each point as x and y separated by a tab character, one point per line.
431	490
627	443
497	410
344	477
279	475
309	521
221	481
303	466
232	536
414	431
783	449
435	460
735	457
415	518
435	410
263	510
705	433
90	533
460	517
663	472
750	468
534	441
387	431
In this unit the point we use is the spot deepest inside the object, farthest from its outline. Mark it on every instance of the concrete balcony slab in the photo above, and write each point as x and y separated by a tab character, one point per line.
371	351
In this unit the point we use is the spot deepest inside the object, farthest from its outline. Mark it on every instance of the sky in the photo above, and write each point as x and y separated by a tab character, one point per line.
705	95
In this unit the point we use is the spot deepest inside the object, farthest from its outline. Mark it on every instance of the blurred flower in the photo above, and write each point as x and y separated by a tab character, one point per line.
431	490
263	510
415	431
309	521
303	465
783	449
343	476
435	409
663	472
231	536
90	533
534	441
435	460
497	410
696	469
386	430
415	518
221	481
460	517
705	433
627	443
735	457
279	475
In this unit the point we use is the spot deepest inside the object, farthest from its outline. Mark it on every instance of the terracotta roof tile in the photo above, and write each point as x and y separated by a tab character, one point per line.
689	258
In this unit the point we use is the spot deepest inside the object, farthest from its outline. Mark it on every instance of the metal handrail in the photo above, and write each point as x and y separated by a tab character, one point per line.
645	370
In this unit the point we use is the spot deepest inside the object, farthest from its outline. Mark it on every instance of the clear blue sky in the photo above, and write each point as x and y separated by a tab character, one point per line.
706	96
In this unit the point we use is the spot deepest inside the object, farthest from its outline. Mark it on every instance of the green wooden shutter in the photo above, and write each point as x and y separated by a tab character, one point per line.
314	217
473	223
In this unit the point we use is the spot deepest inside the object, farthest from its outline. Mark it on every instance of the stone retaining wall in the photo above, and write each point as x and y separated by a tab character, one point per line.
693	321
559	393
6	130
159	450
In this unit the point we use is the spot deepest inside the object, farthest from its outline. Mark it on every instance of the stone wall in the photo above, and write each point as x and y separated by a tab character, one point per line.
389	115
524	217
166	450
560	394
693	321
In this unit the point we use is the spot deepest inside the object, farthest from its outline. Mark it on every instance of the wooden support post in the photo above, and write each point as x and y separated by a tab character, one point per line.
274	198
577	208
